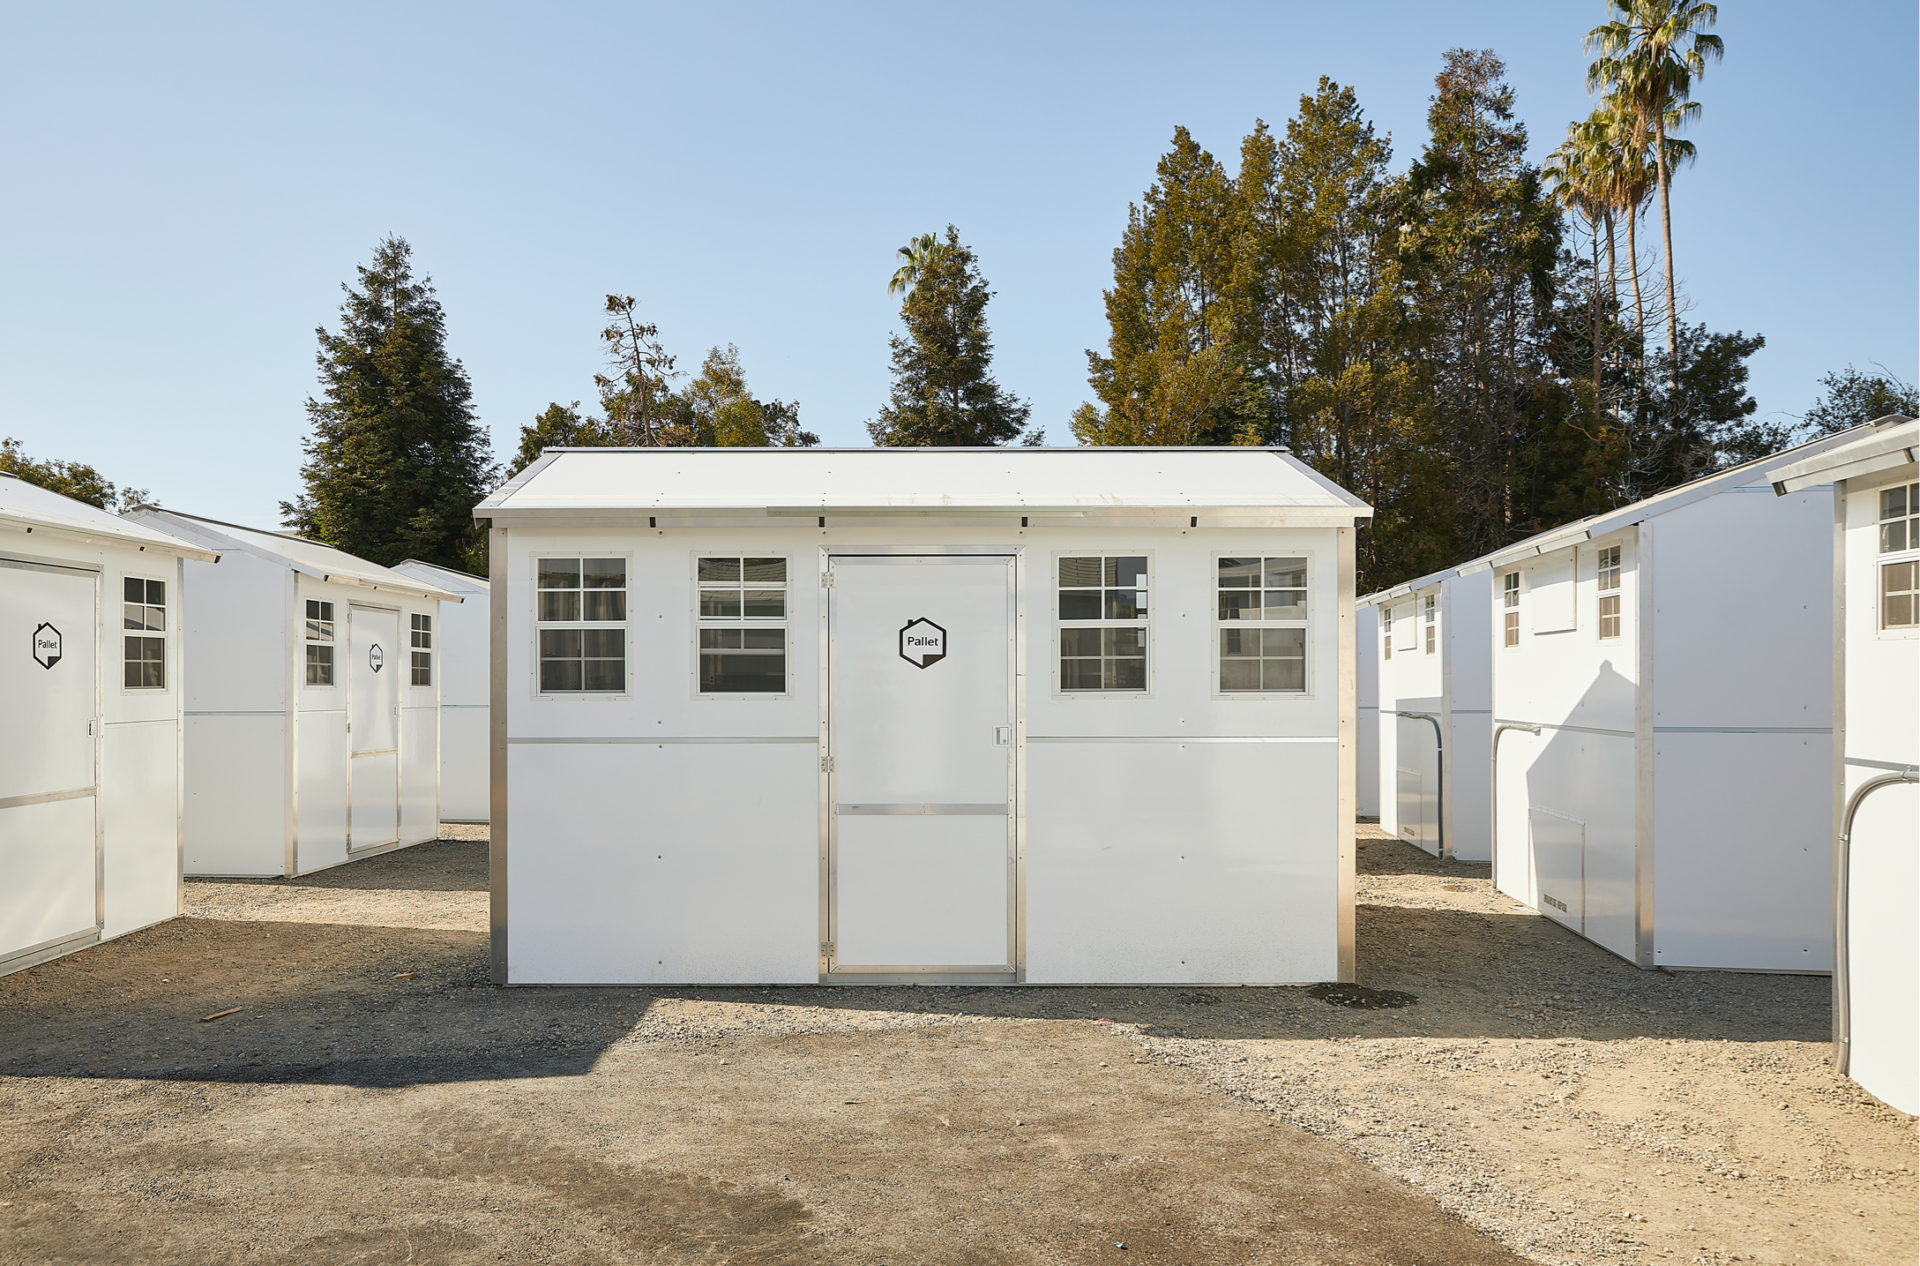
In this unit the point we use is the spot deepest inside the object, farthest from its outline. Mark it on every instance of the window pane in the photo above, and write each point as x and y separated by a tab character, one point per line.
1079	604
747	673
1123	641
319	665
1128	573
1239	643
720	569
1283	674
559	674
319	630
1239	604
1239	674
1125	604
133	617
603	573
764	571
1893	502
1080	641
422	668
1286	604
719	639
603	643
1079	572
603	604
1079	674
559	643
762	639
1126	674
719	604
1286	573
1291	643
559	573
604	674
1893	536
157	593
135	590
1239	573
560	606
765	604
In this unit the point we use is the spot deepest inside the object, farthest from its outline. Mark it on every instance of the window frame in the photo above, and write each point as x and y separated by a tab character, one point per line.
163	635
1386	631
1056	624
697	622
1884	559
535	624
1215	624
332	642
1603	592
1909	518
1429	621
415	650
1509	611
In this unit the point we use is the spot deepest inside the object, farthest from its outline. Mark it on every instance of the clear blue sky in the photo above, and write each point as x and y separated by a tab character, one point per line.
187	186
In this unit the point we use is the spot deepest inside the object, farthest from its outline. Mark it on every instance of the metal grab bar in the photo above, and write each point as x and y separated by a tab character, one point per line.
1440	788
1493	791
1842	857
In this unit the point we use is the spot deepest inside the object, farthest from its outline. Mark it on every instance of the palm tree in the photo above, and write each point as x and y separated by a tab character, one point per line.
918	255
1650	54
1577	174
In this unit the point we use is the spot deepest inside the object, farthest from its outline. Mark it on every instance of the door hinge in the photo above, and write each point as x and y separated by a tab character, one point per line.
826	950
826	764
826	580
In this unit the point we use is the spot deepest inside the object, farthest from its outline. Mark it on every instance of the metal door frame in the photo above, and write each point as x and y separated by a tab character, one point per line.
360	849
829	973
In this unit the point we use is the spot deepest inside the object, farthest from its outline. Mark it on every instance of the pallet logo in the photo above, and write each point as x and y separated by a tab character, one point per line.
922	643
46	646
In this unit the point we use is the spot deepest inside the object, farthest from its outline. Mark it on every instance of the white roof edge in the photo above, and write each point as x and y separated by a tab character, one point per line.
90	525
214	529
480	583
1892	443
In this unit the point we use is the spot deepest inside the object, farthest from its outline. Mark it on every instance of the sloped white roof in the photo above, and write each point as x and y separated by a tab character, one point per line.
310	558
445	577
34	509
1131	482
1889	442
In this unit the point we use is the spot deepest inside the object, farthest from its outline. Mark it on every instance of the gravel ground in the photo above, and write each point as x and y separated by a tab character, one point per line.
1537	1096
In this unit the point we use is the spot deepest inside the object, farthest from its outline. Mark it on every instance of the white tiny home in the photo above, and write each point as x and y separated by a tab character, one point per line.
461	641
854	716
1432	657
312	706
90	666
1662	699
1875	535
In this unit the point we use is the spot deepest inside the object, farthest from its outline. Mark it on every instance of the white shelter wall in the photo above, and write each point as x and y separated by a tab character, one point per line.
1883	668
1367	652
320	826
1411	681
1587	779
1883	943
140	806
465	775
419	774
1743	860
236	794
1736	645
236	634
462	637
47	855
1573	677
1466	614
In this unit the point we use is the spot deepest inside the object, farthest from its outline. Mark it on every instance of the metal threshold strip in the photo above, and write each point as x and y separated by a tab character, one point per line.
47	797
921	810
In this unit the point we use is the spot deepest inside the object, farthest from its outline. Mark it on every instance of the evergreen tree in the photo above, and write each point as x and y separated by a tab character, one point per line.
396	460
70	479
943	392
719	411
560	426
1853	398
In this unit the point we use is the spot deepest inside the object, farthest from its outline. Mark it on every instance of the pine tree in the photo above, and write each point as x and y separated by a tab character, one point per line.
943	392
396	460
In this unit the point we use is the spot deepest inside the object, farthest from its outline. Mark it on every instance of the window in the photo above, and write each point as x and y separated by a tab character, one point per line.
1274	592
144	607
1510	607
1431	611
1609	573
1899	518
742	625
1386	631
319	643
1103	618
582	617
423	650
1898	582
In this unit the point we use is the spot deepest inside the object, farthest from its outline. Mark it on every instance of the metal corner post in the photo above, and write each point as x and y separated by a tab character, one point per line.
499	602
1348	757
1645	766
1838	829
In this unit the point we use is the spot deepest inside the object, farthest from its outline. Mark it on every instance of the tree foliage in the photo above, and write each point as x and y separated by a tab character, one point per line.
396	460
1853	398
944	392
70	479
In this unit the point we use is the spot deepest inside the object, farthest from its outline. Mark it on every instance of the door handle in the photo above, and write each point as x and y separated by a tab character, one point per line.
1002	735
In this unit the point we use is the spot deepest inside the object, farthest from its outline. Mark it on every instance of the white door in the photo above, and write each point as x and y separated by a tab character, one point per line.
373	727
48	792
921	683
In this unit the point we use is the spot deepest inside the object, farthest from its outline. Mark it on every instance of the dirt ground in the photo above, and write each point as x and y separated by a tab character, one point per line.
376	1101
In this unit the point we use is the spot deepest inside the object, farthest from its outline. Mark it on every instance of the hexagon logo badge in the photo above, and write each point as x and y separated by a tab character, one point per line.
376	657
922	643
46	646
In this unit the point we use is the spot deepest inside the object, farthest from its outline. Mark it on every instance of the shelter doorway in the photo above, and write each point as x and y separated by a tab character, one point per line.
48	791
373	728
921	690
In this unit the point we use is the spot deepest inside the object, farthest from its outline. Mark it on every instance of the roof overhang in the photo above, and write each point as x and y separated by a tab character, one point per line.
1891	449
87	534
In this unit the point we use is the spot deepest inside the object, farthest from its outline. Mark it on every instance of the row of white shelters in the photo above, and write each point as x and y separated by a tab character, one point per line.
1876	721
852	716
462	642
1663	730
90	673
312	702
1431	659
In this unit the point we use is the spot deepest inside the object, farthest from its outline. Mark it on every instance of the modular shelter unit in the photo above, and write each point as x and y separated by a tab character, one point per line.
1366	721
1876	723
988	715
461	641
312	706
90	677
1433	660
1662	732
